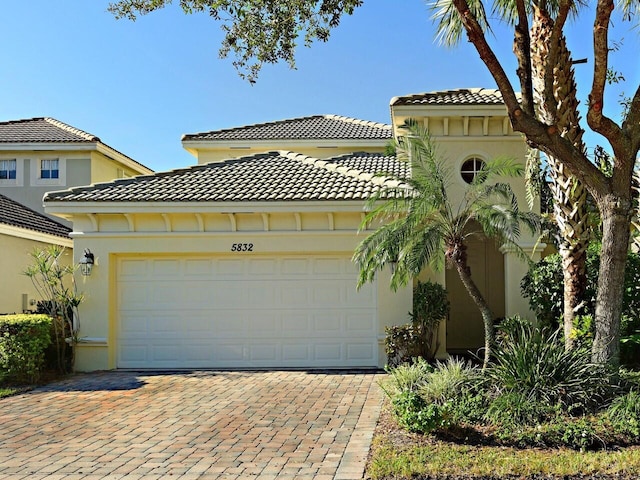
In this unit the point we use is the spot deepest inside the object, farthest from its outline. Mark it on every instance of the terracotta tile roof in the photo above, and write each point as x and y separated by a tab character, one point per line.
266	177
373	163
17	215
316	127
42	130
462	96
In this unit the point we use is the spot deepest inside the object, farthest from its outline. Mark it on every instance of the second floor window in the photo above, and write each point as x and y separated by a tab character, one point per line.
49	168
7	169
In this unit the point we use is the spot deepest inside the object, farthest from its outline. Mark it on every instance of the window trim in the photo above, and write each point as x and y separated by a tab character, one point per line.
19	180
36	171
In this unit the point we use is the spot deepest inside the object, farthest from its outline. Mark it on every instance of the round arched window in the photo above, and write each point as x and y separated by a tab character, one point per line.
470	168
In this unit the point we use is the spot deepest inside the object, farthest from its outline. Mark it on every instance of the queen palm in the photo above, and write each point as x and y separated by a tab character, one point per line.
420	226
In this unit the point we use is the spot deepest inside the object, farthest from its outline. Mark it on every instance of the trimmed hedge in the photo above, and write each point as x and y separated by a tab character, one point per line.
23	341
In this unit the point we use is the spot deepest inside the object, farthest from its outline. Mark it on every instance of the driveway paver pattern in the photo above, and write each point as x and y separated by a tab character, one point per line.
192	425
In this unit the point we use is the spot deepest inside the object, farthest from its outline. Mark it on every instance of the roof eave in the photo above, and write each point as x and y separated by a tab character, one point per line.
48	146
65	209
123	159
466	110
282	144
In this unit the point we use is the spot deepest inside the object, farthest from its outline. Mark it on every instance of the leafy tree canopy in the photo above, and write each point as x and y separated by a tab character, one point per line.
257	31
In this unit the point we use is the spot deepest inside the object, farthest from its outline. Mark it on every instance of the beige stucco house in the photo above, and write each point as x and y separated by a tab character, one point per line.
22	231
244	260
38	155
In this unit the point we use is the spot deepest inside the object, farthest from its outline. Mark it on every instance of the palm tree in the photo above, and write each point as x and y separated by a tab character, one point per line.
569	196
420	225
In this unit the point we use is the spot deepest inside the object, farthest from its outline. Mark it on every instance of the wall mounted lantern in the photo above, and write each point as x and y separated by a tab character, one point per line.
86	263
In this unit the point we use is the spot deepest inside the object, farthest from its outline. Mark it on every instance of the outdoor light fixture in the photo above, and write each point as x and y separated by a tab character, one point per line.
86	264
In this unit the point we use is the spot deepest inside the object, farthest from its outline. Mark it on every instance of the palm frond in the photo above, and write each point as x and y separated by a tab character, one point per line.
449	24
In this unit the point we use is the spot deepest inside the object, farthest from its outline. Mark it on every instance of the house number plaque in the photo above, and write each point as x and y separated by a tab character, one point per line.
242	247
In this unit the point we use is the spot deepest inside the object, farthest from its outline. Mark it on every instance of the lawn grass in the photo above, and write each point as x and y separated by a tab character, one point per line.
443	458
8	391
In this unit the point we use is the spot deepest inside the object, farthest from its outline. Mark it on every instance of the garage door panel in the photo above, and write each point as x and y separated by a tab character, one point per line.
232	267
295	266
198	268
359	323
296	353
329	352
166	268
329	323
362	351
327	293
132	269
198	312
230	352
263	266
264	352
296	323
328	266
166	352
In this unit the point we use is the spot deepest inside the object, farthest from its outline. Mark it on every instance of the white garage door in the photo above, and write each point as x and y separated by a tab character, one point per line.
203	312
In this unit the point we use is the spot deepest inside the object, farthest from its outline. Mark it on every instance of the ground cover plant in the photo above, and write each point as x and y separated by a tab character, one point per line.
536	409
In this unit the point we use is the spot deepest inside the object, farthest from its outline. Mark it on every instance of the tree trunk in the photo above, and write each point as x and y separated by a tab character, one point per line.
487	316
569	196
615	242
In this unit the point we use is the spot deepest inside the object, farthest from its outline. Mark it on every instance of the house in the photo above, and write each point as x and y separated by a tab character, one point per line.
244	260
22	231
38	155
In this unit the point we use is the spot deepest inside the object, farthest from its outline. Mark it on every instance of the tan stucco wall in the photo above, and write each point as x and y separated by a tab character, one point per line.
14	259
105	169
98	313
78	168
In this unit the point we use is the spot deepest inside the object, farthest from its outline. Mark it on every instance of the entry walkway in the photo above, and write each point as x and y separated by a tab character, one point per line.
195	425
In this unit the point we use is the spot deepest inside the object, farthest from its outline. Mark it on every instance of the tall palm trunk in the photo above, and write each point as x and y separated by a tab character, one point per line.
458	256
569	197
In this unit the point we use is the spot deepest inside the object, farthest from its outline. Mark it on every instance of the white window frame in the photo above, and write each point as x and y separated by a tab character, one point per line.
36	169
19	180
474	171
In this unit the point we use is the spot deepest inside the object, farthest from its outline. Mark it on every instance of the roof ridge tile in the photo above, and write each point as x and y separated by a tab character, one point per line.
358	121
76	131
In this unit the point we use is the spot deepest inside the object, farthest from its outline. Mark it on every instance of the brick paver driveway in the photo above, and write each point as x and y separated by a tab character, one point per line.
192	425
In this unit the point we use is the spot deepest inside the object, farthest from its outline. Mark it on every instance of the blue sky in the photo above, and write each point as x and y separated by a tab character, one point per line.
140	85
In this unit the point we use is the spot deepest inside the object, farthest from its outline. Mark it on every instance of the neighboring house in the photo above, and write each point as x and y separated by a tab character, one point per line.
246	262
38	155
22	231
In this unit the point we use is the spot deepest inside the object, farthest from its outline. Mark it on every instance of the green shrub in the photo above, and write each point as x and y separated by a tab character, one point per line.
532	362
543	286
414	414
23	341
408	377
417	339
449	380
456	387
514	408
624	413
